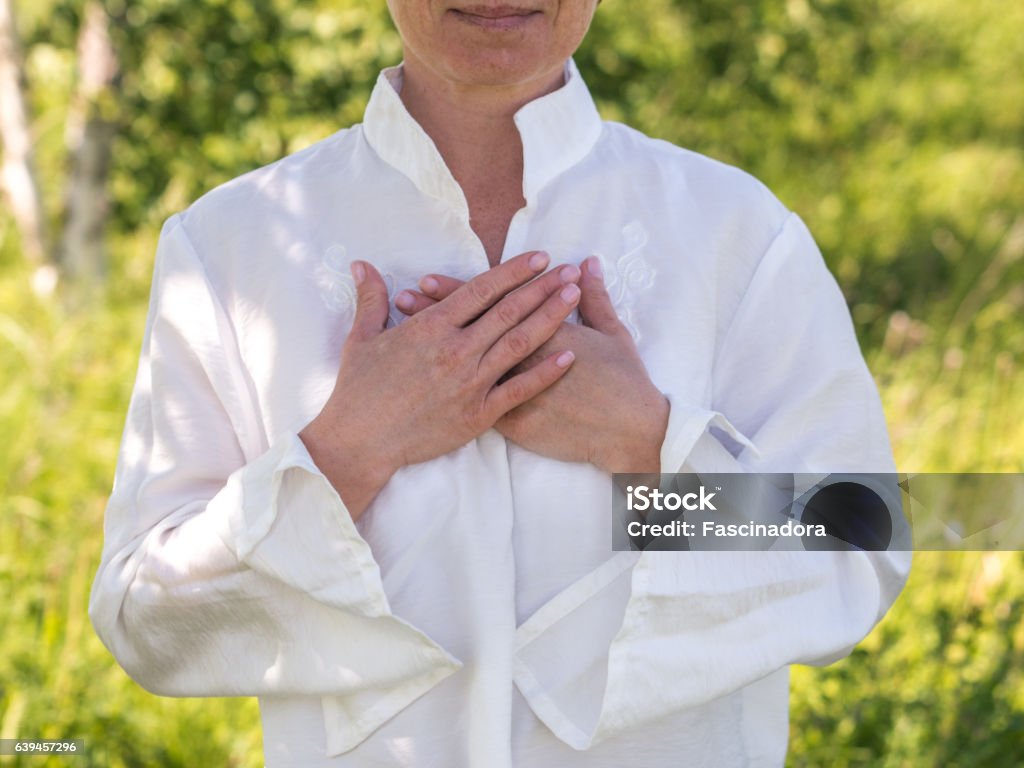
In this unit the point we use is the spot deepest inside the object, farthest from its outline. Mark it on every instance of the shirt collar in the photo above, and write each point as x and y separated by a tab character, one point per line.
557	131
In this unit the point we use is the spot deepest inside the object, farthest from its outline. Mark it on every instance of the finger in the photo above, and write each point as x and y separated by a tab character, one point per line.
411	302
596	308
525	386
371	301
520	341
483	291
439	286
433	288
520	304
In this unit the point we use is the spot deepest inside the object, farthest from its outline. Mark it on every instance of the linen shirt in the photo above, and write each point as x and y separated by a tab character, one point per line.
476	616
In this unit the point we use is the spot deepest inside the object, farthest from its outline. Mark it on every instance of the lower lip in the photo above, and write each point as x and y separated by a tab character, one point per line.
498	23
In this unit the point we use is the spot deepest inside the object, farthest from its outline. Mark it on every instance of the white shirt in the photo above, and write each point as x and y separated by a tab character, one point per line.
476	615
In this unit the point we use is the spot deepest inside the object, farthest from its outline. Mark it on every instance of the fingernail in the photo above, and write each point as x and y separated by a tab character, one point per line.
563	360
594	267
429	285
570	293
539	260
358	271
569	273
404	300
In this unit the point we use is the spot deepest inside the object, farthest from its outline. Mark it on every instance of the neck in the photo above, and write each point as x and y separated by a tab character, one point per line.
472	125
473	128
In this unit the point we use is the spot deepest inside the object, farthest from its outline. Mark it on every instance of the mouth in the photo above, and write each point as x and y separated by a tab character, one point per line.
501	18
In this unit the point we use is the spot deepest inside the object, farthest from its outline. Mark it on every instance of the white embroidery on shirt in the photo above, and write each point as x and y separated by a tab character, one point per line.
628	275
332	276
338	289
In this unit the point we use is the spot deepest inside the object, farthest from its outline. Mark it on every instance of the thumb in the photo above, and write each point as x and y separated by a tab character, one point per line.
596	307
371	301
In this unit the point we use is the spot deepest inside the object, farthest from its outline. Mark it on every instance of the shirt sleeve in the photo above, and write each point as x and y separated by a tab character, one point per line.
232	568
667	631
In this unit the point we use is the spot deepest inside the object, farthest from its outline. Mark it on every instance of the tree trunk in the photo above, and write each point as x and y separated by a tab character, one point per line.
17	175
91	130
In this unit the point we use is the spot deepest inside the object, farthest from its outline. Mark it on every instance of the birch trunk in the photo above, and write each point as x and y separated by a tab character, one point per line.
90	134
17	175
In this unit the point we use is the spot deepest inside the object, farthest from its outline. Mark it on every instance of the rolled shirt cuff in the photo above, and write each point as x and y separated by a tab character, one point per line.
282	517
686	424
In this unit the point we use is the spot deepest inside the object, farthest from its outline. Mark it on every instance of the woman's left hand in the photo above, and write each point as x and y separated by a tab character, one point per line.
605	410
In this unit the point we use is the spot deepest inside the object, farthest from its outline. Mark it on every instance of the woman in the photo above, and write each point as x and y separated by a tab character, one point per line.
406	555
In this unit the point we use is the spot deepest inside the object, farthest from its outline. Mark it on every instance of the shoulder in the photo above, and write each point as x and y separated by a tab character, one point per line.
720	189
719	220
249	232
266	193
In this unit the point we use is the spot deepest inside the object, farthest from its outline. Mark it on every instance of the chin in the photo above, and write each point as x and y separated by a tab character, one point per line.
500	67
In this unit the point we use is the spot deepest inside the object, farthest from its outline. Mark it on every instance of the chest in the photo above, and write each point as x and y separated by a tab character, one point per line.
490	215
291	329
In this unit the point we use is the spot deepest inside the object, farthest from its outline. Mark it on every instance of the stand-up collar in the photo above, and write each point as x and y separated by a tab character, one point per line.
557	131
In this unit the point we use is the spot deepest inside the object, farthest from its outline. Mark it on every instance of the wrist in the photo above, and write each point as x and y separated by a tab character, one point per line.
637	448
355	467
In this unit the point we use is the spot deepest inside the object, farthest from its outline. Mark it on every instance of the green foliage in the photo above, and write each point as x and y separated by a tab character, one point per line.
213	91
938	683
894	127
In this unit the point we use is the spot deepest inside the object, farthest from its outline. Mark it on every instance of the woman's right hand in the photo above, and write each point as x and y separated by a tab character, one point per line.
430	385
